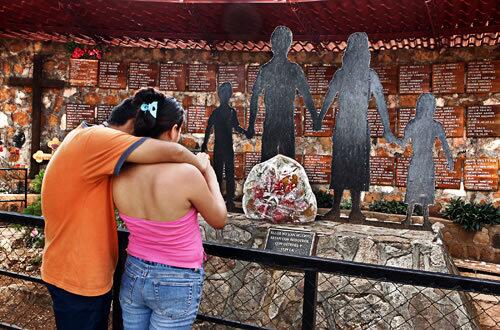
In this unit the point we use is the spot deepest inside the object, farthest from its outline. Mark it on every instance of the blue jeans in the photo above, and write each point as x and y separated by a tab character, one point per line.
157	296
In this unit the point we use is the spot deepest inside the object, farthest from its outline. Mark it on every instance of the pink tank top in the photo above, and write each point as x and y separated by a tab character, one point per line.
175	243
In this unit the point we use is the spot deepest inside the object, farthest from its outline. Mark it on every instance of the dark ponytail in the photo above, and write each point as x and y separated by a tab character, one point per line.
168	113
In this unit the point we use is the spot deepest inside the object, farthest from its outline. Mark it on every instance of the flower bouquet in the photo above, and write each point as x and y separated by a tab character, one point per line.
278	190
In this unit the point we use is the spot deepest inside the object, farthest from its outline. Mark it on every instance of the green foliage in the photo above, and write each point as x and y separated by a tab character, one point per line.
324	198
36	183
346	204
34	208
392	207
35	238
472	216
119	222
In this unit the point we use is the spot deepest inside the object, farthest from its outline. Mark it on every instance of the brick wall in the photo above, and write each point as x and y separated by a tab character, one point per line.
15	117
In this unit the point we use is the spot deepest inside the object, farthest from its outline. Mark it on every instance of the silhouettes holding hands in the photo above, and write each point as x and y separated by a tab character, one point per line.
354	84
279	80
223	119
422	131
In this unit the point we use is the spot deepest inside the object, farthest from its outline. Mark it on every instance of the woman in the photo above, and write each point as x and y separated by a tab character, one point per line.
354	84
159	203
423	131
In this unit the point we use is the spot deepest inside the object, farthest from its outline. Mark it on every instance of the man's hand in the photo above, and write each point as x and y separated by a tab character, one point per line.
204	160
250	133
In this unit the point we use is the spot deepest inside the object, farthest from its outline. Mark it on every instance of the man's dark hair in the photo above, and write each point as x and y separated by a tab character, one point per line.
122	113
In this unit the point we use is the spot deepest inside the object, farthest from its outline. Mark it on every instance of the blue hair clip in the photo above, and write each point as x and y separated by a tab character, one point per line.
152	108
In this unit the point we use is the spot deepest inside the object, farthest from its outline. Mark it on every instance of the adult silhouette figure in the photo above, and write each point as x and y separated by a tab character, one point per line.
423	131
223	119
354	83
279	80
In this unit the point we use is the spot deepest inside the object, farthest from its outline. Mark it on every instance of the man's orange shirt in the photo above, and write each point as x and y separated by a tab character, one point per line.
81	247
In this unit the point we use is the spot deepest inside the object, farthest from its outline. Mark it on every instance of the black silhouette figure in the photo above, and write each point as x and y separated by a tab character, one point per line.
279	80
423	131
223	119
355	83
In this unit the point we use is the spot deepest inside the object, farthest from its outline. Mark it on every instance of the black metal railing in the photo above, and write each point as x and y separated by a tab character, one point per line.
258	289
16	180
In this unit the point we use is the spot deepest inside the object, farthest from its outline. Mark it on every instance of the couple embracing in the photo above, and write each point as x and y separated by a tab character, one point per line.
158	187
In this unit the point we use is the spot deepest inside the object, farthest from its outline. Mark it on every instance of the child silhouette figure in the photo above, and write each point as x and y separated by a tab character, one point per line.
279	80
223	119
423	131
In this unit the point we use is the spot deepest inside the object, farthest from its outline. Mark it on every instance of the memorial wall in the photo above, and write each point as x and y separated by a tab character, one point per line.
465	81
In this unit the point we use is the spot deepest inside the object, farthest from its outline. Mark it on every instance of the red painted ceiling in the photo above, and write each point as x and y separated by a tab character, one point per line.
155	22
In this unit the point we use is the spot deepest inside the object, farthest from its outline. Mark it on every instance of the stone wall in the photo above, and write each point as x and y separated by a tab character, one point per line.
15	117
270	297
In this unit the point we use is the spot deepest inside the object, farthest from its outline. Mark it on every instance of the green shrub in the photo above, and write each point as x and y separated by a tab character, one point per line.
472	216
346	204
36	183
34	208
324	198
392	207
34	237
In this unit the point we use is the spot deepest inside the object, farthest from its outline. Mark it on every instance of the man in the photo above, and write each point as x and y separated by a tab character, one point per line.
223	119
279	80
81	248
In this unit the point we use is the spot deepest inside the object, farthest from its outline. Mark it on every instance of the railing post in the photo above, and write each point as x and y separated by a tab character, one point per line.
309	304
120	267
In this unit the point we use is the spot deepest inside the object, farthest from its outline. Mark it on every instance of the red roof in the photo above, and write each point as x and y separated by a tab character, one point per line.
247	25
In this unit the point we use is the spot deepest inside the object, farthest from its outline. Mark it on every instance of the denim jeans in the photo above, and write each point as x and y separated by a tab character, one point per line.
157	296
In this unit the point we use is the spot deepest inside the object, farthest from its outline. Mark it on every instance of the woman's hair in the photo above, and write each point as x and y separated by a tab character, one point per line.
156	113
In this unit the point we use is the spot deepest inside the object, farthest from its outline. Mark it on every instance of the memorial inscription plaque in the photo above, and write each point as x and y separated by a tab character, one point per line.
234	74
173	77
103	112
83	72
388	75
318	78
197	117
201	78
252	71
402	164
142	75
239	165
448	78
452	119
259	120
76	113
481	174
318	168
376	127
414	79
446	179
299	124
483	121
251	159
483	77
382	171
404	117
297	242
112	75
